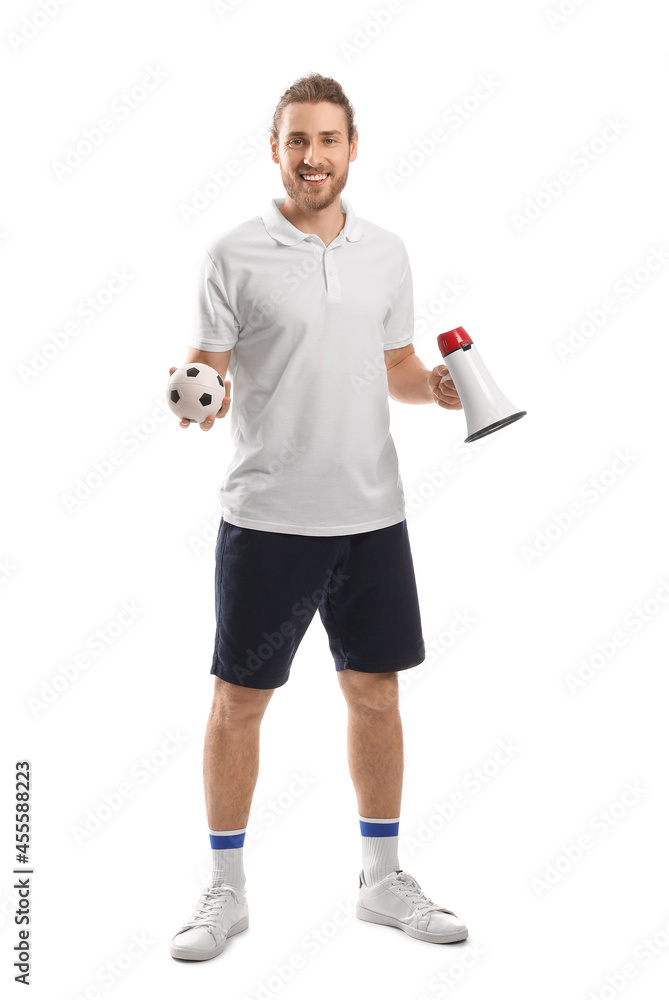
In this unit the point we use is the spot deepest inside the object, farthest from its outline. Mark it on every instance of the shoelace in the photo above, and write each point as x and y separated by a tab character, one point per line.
207	909
414	894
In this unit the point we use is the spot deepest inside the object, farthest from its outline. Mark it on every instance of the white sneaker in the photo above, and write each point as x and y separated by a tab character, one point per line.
398	900
220	912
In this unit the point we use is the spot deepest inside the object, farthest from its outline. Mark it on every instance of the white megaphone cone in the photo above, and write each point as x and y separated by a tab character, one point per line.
486	408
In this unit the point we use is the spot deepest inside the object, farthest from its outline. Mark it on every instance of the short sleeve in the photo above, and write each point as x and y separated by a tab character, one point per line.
398	321
215	326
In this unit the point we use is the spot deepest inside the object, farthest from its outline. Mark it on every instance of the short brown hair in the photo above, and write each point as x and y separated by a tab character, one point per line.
309	90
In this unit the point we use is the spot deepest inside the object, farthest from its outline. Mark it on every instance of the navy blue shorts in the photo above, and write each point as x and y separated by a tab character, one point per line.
270	583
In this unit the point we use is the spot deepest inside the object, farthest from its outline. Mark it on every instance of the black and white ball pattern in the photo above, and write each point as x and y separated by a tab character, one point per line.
195	391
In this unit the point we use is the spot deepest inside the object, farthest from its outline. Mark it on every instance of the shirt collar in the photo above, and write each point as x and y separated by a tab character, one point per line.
285	232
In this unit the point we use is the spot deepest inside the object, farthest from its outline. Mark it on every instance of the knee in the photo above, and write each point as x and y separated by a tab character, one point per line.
235	702
371	692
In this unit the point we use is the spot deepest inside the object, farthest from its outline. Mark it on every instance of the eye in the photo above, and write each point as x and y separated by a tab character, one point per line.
328	139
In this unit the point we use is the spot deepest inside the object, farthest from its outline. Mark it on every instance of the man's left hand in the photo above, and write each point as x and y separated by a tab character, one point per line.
444	393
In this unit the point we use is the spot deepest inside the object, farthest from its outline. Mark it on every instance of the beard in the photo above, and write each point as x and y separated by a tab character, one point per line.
313	199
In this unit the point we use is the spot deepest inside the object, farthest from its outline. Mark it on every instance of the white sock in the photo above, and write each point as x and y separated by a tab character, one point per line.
227	860
379	848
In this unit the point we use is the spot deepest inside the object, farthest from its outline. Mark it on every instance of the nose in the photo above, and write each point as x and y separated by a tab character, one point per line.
307	155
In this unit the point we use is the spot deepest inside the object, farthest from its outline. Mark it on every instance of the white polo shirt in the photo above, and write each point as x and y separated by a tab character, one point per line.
308	325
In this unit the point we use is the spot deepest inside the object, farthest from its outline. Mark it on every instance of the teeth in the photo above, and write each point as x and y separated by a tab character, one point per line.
314	177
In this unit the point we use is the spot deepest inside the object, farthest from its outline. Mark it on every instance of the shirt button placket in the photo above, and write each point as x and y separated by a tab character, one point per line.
332	278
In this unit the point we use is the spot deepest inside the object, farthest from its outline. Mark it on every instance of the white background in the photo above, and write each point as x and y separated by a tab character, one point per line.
596	591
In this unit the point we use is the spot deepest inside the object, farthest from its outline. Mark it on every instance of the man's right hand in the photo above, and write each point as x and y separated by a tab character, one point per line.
209	422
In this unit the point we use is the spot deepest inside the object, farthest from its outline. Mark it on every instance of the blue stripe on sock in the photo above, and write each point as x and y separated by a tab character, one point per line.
220	843
379	829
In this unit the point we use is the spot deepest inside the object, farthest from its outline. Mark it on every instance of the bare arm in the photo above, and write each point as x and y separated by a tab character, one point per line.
407	376
409	381
218	360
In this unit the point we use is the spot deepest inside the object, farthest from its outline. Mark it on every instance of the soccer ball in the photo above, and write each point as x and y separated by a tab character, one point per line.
195	391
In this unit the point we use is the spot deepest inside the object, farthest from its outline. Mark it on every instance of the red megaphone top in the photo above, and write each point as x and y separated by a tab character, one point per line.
451	340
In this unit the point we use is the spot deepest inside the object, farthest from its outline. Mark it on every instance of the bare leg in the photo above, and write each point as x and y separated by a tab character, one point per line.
232	752
375	741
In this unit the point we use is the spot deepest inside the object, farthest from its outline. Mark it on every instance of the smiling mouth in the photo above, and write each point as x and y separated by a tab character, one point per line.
315	180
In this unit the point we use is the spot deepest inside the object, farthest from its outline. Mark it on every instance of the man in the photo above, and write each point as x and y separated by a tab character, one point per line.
312	308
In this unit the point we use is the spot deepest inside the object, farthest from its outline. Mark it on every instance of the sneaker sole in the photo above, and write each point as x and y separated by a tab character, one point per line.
382	918
202	956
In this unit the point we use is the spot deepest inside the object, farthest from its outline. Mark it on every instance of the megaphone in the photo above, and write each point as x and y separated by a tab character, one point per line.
486	408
